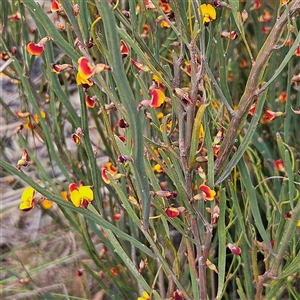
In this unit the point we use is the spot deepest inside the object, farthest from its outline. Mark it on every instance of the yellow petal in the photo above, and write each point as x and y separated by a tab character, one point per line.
76	198
211	11
86	192
28	194
25	205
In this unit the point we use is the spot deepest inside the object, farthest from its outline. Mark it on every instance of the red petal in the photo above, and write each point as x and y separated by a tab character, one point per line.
35	49
90	101
72	187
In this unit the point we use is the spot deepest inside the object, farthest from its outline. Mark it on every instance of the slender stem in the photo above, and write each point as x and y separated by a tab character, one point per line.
252	85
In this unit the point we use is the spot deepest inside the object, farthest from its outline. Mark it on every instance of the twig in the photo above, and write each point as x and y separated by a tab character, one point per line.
253	82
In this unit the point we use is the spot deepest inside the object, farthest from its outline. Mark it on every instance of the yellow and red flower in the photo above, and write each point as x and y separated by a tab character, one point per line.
278	164
157	99
232	35
256	5
55	6
215	215
297	52
139	66
158	168
145	296
76	137
38	48
109	167
86	71
81	196
272	115
15	17
90	101
28	200
173	212
266	17
208	193
208	13
124	49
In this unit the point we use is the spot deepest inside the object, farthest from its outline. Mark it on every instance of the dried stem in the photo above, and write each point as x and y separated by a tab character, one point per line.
252	85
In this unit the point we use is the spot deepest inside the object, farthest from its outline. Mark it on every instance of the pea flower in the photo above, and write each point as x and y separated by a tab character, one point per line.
81	196
59	68
139	66
46	204
15	17
278	164
234	249
90	101
24	161
206	193
157	99
109	167
124	49
208	13
38	49
272	115
211	266
55	6
86	71
173	212
178	295
28	200
145	296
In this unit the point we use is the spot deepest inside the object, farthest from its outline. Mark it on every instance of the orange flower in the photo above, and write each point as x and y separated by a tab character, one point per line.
146	29
46	204
164	24
282	97
37	49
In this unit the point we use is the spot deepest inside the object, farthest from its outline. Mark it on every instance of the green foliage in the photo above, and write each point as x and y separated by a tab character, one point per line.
190	201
